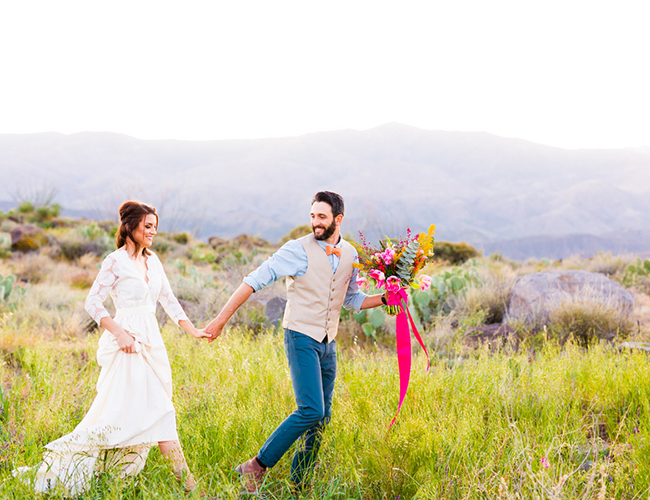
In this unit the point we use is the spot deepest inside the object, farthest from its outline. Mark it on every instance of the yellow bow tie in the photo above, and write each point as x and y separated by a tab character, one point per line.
333	250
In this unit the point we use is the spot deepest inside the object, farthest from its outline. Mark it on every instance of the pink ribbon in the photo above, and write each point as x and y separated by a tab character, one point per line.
403	340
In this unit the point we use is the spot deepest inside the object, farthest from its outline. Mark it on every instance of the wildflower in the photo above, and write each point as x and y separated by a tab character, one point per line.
425	282
545	463
393	284
378	276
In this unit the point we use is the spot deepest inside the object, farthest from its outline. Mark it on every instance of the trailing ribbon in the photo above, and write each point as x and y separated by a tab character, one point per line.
403	339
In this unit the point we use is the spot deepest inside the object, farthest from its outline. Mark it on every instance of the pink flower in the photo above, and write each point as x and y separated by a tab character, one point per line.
378	276
425	282
388	255
545	463
361	281
393	284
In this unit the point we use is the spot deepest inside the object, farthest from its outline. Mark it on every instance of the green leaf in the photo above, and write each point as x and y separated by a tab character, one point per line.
422	299
646	264
2	293
456	283
442	288
368	329
360	317
377	317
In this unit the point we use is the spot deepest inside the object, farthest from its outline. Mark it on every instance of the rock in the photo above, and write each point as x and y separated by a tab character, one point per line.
274	310
7	225
496	335
643	346
216	242
27	237
535	295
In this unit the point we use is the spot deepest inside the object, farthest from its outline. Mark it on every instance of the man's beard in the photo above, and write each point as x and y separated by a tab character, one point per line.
329	231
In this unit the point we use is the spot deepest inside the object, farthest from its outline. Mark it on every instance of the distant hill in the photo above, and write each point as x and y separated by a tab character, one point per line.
475	186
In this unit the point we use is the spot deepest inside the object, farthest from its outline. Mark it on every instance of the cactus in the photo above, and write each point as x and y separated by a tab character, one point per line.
639	269
450	283
6	287
9	293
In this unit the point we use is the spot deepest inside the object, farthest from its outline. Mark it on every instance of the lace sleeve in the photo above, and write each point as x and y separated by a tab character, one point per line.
168	300
104	282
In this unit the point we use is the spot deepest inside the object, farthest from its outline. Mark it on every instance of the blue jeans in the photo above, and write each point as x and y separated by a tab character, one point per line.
312	365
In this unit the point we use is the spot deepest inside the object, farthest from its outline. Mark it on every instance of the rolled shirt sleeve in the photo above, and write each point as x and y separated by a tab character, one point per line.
289	260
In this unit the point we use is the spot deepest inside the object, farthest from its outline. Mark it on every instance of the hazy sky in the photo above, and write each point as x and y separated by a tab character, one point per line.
564	73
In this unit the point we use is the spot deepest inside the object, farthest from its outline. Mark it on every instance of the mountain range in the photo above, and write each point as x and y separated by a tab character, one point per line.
501	194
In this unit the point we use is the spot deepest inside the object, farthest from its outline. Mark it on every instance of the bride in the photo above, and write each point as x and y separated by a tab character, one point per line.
133	408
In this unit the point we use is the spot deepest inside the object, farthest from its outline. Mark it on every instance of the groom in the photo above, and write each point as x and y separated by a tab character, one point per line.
320	279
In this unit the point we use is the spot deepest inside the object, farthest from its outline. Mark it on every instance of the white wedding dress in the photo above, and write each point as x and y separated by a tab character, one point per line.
133	408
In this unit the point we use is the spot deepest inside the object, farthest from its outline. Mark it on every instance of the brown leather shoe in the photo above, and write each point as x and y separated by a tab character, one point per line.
252	475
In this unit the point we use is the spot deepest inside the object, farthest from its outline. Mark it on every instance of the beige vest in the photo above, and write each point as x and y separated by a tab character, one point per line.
315	299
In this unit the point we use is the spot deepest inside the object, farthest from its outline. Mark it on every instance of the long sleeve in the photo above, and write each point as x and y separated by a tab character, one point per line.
289	260
103	284
169	301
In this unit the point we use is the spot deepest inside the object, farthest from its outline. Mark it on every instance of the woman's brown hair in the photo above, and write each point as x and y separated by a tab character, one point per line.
131	214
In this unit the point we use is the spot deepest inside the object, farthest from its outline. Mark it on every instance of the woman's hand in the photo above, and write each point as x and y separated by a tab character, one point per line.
187	325
199	334
125	341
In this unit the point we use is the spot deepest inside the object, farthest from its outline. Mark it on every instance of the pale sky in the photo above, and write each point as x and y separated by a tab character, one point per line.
572	74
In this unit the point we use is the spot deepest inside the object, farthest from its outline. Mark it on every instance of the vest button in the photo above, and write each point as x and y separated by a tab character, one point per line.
333	290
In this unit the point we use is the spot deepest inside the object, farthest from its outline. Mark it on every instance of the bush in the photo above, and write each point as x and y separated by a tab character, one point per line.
181	238
587	321
86	239
454	253
296	233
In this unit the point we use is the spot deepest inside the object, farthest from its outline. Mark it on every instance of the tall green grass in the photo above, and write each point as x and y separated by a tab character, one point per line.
560	423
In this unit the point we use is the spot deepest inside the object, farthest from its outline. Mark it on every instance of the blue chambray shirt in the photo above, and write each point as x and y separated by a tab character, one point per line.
291	260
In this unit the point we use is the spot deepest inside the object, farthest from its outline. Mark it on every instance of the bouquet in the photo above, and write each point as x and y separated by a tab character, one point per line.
395	264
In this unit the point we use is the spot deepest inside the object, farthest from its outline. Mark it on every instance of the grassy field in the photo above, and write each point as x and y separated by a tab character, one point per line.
483	426
549	420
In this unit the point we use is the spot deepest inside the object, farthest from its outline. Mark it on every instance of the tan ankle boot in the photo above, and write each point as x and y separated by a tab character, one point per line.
252	475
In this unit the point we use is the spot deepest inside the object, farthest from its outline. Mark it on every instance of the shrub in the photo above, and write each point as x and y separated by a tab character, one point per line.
587	321
296	233
181	238
165	243
488	294
32	267
454	253
85	239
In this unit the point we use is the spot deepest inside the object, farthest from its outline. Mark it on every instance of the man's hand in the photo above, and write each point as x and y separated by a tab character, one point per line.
240	296
213	330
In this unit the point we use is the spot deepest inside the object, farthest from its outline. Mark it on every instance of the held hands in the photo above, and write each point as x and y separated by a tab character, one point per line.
213	330
199	334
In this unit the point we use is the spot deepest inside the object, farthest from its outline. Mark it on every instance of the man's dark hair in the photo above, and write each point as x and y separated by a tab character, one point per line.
332	199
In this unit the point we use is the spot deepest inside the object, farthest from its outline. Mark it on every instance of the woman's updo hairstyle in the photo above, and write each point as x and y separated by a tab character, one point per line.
131	214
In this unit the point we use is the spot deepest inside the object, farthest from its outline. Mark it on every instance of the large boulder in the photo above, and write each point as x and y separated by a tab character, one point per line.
534	296
27	237
274	310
